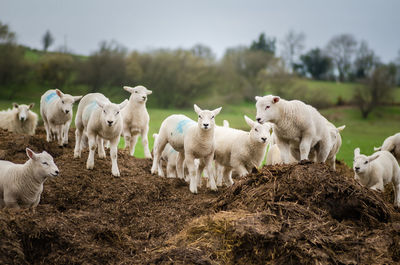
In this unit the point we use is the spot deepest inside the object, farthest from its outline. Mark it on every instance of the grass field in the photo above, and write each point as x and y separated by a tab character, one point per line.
366	134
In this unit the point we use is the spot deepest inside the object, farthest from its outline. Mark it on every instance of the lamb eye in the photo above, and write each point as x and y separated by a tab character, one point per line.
136	92
212	117
267	107
199	117
366	162
62	101
45	163
256	130
104	111
117	113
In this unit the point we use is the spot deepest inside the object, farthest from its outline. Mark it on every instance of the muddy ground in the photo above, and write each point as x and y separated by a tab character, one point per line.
295	214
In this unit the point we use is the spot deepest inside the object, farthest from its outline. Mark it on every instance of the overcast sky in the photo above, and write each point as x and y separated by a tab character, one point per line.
219	24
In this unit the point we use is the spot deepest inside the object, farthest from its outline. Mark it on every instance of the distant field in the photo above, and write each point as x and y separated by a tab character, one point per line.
365	134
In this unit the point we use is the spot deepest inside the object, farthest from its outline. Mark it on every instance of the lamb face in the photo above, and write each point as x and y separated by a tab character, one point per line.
267	109
110	115
362	163
66	101
23	111
139	93
206	119
259	133
44	165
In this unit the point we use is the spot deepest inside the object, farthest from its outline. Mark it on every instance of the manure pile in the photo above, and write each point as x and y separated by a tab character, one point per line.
294	214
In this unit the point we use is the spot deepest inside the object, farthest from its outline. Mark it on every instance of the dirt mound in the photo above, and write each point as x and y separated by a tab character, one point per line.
302	213
295	214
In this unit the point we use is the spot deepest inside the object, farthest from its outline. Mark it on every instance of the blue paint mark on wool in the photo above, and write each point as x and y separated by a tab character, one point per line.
89	109
50	97
182	125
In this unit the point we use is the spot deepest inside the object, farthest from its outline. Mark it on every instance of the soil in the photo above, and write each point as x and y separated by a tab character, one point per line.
292	214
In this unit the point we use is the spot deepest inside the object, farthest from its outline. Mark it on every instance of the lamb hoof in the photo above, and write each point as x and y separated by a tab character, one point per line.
304	162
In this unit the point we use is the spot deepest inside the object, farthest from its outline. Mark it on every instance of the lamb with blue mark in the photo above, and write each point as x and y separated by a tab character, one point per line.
191	142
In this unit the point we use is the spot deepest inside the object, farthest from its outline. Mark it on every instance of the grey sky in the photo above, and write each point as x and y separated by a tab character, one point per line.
219	24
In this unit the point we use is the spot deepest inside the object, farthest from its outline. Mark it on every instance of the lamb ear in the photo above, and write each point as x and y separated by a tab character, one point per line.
59	93
275	99
341	128
373	157
249	121
30	153
100	103
257	98
357	151
129	89
15	105
217	111
378	148
148	92
197	109
31	105
123	104
76	98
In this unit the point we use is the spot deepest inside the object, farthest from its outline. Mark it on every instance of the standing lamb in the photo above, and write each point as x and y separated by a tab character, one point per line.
100	120
168	155
377	170
391	144
136	119
191	141
22	184
296	126
56	111
19	119
240	150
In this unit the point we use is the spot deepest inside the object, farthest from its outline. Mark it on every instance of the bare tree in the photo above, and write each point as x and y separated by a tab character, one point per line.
341	49
293	45
377	89
365	60
47	40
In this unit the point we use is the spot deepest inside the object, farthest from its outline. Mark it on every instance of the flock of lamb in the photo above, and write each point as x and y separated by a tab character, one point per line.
293	130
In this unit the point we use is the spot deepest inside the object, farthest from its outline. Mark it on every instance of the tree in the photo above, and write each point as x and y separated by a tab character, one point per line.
376	90
47	40
104	68
316	64
264	44
55	70
6	36
365	61
341	49
293	45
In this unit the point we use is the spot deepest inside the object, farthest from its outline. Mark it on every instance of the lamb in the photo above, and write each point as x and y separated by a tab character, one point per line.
391	144
136	119
100	120
240	150
191	142
22	184
169	155
19	119
377	170
56	111
296	126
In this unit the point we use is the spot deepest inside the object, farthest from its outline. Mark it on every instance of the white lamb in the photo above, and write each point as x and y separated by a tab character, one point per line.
100	120
377	170
56	111
168	155
19	119
391	144
136	119
22	184
240	150
191	141
296	126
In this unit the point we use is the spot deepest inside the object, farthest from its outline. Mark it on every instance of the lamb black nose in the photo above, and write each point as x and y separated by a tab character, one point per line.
258	119
205	124
264	139
66	111
110	122
57	172
144	97
356	168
